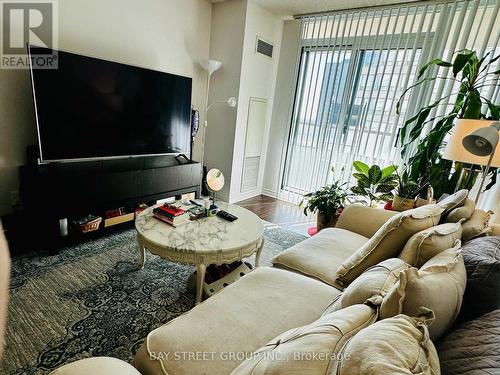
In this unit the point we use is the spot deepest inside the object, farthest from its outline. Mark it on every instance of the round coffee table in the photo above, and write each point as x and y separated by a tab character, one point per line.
202	242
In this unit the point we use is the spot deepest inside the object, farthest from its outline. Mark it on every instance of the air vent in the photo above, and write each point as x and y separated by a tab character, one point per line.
264	48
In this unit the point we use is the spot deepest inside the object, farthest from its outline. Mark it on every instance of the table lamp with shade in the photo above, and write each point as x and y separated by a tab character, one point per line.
215	183
475	142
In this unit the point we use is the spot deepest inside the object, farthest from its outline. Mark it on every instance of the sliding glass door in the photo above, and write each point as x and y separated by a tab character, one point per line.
340	115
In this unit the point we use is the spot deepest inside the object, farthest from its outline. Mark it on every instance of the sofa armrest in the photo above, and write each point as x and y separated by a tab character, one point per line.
363	220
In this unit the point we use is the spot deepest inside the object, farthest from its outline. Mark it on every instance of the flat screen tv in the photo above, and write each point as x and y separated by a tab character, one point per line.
91	108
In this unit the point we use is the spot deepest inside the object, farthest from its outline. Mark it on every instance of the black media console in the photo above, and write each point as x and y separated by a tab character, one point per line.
54	191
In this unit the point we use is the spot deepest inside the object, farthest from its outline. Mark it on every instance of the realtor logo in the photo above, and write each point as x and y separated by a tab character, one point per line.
34	23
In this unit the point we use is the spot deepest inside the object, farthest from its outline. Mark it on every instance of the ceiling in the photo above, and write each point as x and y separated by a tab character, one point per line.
295	7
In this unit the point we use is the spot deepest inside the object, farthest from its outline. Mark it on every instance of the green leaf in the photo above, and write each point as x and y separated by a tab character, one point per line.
358	190
374	174
494	109
361	167
473	110
384	188
359	176
438	62
387	171
460	61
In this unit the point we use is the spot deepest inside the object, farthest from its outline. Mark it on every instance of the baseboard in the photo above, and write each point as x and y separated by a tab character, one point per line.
269	193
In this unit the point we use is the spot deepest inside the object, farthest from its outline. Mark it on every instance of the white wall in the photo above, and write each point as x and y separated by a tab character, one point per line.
258	76
226	45
166	35
281	108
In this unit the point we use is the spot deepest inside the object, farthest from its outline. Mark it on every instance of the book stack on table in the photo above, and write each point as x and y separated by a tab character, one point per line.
171	214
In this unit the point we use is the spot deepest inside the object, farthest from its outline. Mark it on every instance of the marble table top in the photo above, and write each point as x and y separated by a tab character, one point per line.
205	234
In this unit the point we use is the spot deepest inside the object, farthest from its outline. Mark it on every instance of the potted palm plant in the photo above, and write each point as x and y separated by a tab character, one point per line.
328	202
424	154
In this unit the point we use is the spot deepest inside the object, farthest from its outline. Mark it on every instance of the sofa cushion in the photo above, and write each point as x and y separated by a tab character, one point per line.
362	219
375	281
399	345
453	201
482	262
320	255
423	245
389	240
461	213
473	347
439	286
97	365
477	225
239	319
309	349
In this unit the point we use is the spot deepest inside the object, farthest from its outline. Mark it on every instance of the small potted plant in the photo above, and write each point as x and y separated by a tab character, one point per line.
405	193
373	183
328	202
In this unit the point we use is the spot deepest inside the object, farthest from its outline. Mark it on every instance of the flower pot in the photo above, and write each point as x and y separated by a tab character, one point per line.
402	204
326	221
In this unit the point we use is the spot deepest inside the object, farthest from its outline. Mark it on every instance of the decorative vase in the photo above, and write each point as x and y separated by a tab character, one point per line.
326	221
402	204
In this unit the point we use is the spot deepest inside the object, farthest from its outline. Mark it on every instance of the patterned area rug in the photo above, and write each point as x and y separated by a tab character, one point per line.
92	300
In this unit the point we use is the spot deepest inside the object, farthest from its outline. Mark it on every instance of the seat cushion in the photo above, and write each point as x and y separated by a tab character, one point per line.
388	241
439	286
321	255
97	365
473	347
398	345
238	320
309	349
429	242
482	262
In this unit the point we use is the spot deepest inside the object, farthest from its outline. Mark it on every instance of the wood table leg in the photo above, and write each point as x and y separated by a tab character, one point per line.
142	253
200	278
257	254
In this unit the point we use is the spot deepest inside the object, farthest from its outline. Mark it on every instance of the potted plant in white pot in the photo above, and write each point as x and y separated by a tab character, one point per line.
328	202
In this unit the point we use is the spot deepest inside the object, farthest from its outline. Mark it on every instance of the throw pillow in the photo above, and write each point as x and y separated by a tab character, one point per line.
388	241
453	201
399	345
461	213
423	245
473	347
482	262
310	349
477	225
375	281
439	286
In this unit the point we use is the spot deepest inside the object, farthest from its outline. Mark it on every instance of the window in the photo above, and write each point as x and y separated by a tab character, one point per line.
353	67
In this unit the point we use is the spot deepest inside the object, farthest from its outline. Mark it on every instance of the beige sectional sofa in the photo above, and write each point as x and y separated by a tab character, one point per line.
267	302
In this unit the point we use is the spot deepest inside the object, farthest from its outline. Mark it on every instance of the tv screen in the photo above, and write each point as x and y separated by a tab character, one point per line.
92	108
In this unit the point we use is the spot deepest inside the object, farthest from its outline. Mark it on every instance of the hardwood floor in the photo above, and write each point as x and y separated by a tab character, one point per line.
284	214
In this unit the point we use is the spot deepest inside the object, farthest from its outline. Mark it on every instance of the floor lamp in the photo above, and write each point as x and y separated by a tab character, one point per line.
211	66
475	142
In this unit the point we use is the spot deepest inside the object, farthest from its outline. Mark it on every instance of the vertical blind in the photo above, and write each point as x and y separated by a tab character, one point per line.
352	67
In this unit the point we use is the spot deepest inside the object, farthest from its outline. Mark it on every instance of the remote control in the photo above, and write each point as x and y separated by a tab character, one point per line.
226	215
